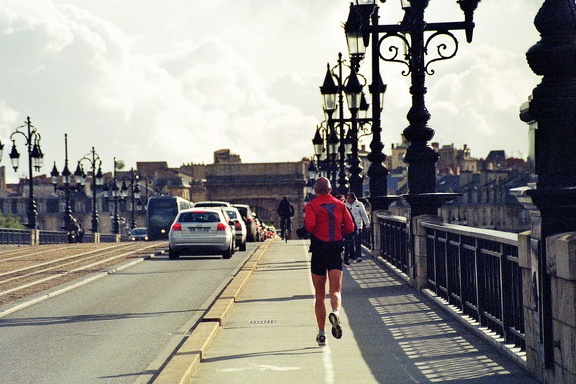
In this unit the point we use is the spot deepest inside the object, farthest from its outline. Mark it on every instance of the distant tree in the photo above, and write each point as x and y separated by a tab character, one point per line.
120	165
10	222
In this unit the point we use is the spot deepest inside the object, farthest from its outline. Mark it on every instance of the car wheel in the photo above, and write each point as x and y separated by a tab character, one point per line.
242	246
228	253
172	254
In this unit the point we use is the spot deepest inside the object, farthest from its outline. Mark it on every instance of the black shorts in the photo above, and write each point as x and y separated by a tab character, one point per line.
326	256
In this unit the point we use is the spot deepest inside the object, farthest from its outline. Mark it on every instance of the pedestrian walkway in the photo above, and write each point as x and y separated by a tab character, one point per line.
392	333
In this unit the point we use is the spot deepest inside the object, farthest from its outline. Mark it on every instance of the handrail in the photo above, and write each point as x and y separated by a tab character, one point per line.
394	241
14	236
476	270
26	237
481	233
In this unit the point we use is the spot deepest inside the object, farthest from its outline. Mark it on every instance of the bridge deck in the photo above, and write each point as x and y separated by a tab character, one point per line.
392	333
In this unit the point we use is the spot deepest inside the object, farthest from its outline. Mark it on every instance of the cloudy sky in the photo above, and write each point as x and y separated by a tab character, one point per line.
175	80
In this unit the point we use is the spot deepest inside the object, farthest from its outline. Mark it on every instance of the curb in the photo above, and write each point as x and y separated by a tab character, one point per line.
185	361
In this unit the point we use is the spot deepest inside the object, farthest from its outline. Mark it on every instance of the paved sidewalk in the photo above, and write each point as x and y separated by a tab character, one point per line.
392	333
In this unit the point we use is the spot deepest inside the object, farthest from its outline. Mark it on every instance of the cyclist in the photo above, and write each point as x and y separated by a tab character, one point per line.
285	211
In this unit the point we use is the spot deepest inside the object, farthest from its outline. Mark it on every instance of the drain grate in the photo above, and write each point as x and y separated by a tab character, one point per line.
180	333
262	321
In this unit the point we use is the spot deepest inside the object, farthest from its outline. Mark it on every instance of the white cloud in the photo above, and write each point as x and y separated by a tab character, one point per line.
176	80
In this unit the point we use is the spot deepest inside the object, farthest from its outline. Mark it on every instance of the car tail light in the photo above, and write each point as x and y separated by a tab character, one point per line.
177	227
238	225
249	220
221	227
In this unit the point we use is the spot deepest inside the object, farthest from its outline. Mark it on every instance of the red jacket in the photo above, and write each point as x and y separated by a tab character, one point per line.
327	218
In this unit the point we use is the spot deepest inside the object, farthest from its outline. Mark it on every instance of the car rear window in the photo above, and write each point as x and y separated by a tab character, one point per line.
199	217
232	215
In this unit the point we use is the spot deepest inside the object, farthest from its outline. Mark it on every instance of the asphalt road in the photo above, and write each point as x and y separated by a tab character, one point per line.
116	329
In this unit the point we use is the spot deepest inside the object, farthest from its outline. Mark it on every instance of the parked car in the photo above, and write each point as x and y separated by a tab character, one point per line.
212	204
201	231
259	229
139	234
271	232
248	217
236	217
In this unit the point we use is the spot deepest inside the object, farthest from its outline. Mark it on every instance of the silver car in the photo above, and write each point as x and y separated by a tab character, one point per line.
239	225
201	231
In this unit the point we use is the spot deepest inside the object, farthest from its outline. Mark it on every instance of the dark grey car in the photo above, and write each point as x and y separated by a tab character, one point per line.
249	219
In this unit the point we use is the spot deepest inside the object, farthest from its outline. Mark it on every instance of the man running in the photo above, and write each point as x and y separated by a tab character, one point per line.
327	219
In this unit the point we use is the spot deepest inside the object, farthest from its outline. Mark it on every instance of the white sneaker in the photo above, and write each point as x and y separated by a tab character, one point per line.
336	328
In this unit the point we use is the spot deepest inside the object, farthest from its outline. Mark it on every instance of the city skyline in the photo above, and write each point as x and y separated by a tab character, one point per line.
179	80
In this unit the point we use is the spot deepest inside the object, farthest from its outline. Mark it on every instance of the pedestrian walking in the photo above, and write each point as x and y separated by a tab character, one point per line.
361	222
327	220
348	244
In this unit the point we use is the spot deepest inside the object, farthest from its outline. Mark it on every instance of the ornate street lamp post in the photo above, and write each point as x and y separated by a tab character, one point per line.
311	180
325	142
35	160
112	193
97	180
410	33
134	195
67	184
333	95
353	91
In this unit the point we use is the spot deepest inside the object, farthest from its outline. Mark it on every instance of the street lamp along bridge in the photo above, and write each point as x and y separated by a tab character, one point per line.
69	184
35	162
97	181
417	37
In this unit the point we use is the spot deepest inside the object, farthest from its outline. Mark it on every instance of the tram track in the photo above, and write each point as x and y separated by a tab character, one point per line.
42	269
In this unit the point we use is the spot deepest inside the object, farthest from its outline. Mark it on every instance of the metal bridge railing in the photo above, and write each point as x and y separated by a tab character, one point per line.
14	236
394	241
52	237
478	272
27	237
367	238
108	238
472	269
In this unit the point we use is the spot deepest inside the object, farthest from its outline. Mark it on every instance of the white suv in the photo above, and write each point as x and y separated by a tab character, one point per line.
201	231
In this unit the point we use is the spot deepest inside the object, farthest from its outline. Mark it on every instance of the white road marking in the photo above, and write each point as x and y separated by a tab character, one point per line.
326	352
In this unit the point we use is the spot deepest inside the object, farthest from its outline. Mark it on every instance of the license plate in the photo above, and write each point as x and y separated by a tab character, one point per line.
198	229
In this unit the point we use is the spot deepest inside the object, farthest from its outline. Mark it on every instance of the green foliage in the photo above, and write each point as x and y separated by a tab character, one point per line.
120	165
10	222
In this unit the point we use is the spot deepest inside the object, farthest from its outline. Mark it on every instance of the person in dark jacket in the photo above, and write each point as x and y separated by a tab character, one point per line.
285	211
